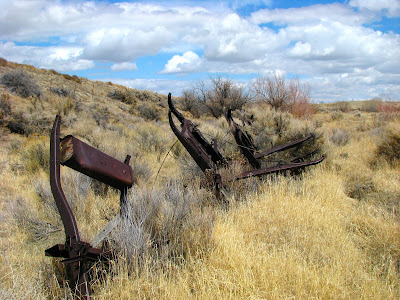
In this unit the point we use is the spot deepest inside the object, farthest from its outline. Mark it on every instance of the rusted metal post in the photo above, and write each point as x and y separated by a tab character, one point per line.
83	158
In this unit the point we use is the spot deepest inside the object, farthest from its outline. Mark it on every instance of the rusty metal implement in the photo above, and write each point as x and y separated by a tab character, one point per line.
248	149
71	152
209	159
92	162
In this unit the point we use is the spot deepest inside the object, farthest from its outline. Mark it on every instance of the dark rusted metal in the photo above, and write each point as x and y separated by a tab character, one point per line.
92	162
248	149
209	159
279	169
79	156
203	152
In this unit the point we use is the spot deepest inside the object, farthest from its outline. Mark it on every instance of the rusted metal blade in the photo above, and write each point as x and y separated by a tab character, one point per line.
67	216
172	108
278	169
92	162
243	140
203	152
284	146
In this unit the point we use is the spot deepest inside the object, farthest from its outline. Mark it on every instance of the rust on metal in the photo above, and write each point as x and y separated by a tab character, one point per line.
92	162
209	159
81	157
248	149
204	153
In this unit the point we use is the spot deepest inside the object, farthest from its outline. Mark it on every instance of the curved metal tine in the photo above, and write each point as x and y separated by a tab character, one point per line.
284	146
278	169
172	109
67	216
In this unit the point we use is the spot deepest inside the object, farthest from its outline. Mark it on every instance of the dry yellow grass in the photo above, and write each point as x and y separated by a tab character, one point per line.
331	233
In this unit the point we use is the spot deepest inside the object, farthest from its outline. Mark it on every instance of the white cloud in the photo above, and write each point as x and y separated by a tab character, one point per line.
320	41
391	7
188	62
161	86
57	58
125	66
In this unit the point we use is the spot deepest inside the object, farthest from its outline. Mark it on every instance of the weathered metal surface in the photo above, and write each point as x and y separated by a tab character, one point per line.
75	252
83	158
92	162
209	159
248	149
204	153
279	169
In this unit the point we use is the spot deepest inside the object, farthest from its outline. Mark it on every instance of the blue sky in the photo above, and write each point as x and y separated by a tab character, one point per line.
345	50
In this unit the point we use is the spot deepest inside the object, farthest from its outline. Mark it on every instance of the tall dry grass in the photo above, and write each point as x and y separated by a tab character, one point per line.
330	232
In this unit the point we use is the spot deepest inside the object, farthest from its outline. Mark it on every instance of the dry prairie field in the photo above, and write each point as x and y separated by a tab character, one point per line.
330	232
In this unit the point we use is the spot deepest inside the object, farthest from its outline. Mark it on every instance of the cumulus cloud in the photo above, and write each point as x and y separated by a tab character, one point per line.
391	7
125	66
319	41
162	86
188	62
57	58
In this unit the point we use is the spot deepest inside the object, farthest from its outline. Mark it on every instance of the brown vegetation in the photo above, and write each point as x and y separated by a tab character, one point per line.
331	232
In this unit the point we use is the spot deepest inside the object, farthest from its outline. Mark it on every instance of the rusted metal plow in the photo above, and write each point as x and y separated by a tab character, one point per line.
85	159
250	151
209	159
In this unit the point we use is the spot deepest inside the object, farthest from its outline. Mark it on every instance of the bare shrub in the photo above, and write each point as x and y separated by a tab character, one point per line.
222	93
279	93
388	110
190	103
20	83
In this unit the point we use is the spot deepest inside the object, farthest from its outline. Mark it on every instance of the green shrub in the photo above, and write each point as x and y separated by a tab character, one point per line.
20	83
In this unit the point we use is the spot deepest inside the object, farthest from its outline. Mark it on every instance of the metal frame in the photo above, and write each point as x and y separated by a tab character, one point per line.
209	159
83	158
250	151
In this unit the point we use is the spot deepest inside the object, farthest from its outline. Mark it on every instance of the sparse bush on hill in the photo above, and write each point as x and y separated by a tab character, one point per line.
339	137
389	148
20	83
72	78
221	94
60	91
5	106
148	112
19	124
371	105
123	96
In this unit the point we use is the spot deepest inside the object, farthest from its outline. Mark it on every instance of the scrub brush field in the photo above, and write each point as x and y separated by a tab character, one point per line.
330	232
